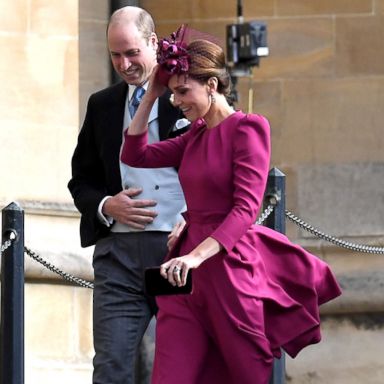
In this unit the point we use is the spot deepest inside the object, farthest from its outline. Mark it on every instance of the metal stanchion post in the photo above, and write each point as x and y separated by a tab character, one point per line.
12	297
275	194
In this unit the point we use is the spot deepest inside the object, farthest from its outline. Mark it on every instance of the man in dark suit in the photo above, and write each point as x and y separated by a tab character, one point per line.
127	213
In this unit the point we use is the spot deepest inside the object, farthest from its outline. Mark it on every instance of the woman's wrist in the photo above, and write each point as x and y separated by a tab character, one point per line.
149	98
206	249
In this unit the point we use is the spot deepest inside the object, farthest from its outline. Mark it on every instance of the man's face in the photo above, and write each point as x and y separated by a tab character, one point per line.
133	57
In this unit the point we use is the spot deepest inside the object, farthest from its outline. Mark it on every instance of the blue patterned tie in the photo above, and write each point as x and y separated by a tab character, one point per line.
135	100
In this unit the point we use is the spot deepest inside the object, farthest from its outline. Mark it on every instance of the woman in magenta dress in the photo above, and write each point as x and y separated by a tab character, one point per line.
254	292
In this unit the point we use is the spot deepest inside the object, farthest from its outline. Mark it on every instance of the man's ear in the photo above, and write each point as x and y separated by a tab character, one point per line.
153	40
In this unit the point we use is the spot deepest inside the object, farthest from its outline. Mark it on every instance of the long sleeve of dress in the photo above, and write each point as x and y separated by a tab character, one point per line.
137	153
250	166
222	169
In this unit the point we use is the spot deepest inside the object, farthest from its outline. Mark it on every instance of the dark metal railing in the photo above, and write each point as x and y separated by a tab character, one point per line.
12	297
275	196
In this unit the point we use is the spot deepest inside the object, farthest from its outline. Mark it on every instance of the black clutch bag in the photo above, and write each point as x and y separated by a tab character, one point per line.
156	285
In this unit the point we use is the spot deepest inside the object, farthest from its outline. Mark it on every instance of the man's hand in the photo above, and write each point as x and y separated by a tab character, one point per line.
173	236
133	212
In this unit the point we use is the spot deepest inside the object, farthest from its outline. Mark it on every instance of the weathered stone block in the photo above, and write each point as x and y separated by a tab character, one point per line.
50	79
46	334
53	18
95	10
183	12
359	46
13	17
379	7
343	199
266	99
94	61
331	121
323	7
58	372
350	352
298	48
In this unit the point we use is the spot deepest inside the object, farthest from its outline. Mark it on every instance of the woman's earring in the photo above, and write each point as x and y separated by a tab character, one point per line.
213	99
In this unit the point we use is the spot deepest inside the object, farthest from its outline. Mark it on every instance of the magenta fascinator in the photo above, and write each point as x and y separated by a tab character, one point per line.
172	56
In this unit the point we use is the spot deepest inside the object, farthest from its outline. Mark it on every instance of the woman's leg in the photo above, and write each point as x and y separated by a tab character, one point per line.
181	343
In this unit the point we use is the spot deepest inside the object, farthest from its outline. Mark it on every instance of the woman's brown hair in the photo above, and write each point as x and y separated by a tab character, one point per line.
208	60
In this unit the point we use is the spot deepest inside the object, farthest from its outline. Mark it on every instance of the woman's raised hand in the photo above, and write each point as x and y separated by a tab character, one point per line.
155	88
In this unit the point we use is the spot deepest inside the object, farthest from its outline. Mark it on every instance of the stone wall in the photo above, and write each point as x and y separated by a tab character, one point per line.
322	88
53	54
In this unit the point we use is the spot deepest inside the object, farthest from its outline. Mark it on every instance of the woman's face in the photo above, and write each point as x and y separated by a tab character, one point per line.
190	96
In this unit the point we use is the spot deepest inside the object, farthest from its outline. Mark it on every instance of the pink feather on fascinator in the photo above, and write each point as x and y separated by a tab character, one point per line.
172	53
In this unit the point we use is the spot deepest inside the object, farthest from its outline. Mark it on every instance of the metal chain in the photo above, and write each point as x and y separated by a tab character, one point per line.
332	239
264	215
309	228
64	275
8	243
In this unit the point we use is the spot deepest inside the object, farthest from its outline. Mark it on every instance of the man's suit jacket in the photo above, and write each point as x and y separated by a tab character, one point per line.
95	162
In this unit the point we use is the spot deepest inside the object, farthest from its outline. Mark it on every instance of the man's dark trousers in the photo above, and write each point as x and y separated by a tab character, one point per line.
121	309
